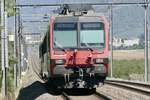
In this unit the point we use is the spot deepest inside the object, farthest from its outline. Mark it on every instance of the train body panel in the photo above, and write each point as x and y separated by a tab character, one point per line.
77	51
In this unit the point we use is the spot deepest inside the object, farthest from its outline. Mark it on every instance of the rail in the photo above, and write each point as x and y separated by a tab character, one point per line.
102	96
139	87
65	96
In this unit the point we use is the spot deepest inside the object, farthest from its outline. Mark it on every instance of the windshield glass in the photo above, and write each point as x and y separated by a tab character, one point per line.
65	35
92	35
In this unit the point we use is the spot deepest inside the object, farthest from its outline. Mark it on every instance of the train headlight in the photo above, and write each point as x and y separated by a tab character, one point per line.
101	60
59	61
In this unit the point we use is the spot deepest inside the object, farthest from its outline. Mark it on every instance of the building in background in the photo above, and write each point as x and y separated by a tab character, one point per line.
122	43
131	42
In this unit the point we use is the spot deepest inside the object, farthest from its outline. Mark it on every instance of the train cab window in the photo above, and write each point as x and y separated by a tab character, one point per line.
65	35
92	35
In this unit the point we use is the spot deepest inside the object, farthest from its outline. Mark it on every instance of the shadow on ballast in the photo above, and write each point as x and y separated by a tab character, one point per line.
33	91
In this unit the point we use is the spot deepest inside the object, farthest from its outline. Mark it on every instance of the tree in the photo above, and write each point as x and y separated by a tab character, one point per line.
10	5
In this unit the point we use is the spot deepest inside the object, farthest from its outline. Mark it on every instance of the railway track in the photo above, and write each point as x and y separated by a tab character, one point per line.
94	96
102	96
139	87
65	96
34	68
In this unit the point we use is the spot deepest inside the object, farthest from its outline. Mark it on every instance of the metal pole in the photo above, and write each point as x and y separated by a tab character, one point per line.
146	42
26	55
2	33
5	53
111	41
3	57
19	45
22	46
15	52
22	56
6	41
148	48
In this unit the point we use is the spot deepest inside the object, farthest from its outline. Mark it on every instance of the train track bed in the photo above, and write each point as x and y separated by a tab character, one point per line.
80	94
32	87
126	90
102	96
143	88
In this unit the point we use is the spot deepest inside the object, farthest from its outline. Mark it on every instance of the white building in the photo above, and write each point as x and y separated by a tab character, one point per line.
118	42
131	42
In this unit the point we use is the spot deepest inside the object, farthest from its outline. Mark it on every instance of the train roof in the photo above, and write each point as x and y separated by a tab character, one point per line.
89	17
77	19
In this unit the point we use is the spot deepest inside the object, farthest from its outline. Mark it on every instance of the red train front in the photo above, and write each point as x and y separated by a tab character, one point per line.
74	52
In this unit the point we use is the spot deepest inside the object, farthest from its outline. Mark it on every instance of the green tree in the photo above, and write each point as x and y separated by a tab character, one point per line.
10	5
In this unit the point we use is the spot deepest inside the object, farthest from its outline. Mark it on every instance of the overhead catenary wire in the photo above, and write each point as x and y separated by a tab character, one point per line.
60	4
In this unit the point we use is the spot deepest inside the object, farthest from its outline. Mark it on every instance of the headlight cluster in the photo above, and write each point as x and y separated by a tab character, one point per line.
59	61
101	61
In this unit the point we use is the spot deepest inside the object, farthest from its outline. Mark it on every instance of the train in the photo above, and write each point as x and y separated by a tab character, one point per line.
74	51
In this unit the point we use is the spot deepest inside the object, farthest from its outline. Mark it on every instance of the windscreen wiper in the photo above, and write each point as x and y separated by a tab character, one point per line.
60	46
89	48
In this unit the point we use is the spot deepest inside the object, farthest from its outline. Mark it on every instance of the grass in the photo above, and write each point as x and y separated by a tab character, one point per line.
127	68
129	64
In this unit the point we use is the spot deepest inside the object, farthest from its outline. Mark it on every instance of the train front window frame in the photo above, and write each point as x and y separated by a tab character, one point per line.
65	35
87	29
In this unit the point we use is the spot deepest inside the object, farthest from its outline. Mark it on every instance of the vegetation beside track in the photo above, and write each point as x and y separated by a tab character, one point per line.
129	69
10	5
129	64
12	60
